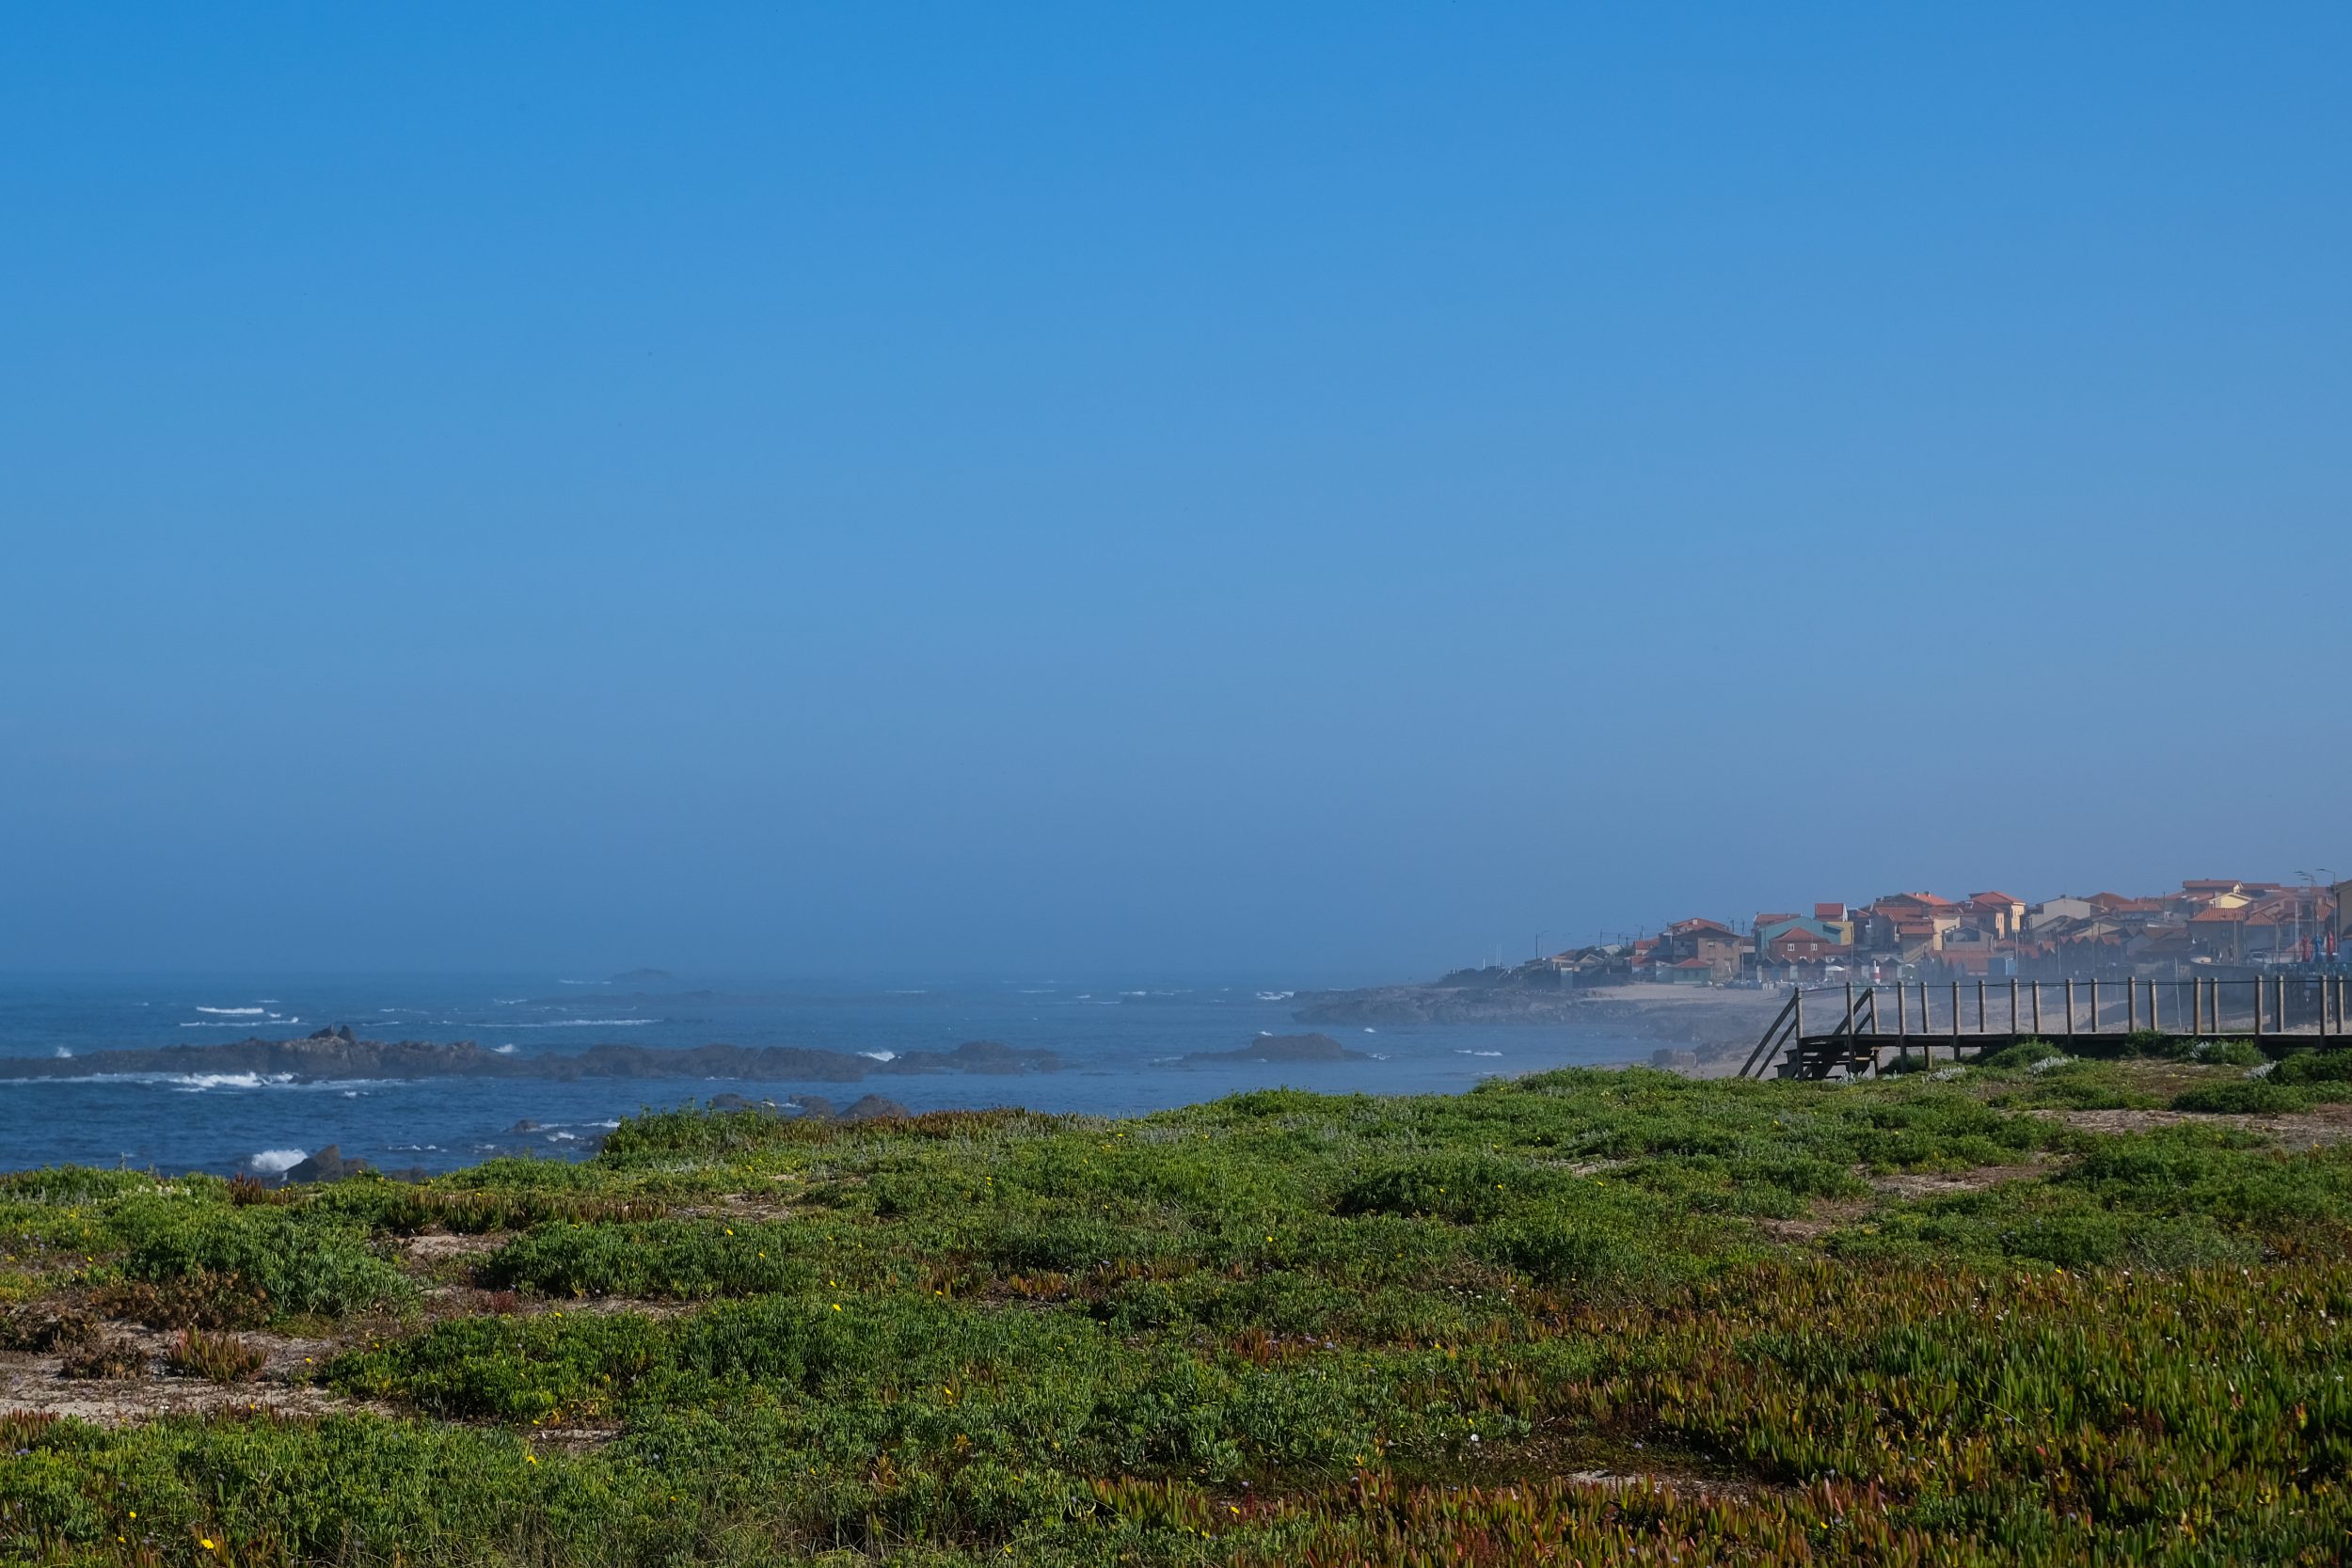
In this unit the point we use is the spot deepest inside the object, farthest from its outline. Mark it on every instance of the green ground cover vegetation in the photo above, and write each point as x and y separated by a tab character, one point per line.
2037	1310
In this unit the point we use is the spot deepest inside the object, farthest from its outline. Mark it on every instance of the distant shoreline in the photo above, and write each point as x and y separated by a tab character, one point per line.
1704	1018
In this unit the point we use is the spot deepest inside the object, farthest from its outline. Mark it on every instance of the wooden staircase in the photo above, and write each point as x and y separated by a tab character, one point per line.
1788	1051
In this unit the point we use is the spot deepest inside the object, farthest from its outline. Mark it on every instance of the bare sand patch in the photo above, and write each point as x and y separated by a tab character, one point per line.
2313	1128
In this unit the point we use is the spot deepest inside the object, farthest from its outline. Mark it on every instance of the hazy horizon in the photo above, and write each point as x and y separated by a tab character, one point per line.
1336	492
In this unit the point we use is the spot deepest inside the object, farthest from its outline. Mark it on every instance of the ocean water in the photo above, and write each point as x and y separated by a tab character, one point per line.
1124	1044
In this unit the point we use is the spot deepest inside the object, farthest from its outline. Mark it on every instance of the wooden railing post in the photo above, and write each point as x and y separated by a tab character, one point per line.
2069	1010
2130	1005
2037	1009
1980	1006
2094	1003
1955	1020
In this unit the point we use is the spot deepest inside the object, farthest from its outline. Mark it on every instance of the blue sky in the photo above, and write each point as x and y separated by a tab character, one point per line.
1322	489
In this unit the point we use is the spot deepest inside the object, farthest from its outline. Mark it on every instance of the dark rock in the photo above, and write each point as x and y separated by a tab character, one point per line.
1284	1048
973	1056
327	1164
874	1107
526	1125
813	1107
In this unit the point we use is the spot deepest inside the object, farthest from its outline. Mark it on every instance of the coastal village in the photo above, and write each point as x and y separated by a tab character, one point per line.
2215	926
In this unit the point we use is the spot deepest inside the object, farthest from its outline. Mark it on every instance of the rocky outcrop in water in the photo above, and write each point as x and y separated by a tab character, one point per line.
334	1053
1284	1048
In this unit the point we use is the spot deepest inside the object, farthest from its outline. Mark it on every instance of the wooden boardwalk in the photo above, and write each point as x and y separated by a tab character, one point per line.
1854	1031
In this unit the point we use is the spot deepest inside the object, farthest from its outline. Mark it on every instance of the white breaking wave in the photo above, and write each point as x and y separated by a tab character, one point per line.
196	1083
583	1023
506	1049
63	1054
238	1012
880	1055
1478	1053
584	982
276	1162
1276	996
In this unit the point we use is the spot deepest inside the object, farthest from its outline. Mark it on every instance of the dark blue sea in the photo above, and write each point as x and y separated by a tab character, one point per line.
1123	1043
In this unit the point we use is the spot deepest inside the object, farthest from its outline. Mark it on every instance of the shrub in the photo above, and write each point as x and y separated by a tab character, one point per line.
2139	1042
105	1358
2243	1096
2316	1066
200	1299
510	1368
664	1257
1464	1188
247	1191
219	1358
2023	1054
35	1329
295	1260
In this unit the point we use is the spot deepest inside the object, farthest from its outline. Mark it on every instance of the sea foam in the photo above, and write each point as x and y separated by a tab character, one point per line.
196	1083
276	1162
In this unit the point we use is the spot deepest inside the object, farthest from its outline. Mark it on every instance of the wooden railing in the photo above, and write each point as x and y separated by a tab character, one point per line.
2312	1007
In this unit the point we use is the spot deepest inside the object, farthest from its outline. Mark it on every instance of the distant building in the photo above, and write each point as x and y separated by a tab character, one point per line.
1710	944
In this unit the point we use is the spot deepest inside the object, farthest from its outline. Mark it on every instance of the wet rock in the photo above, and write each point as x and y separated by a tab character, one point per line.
327	1164
1284	1048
